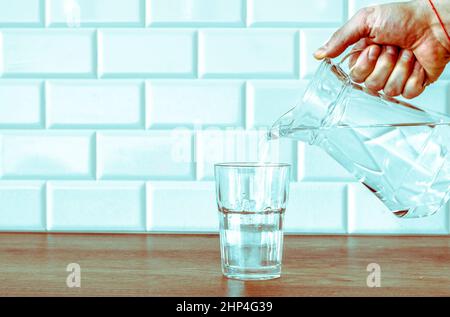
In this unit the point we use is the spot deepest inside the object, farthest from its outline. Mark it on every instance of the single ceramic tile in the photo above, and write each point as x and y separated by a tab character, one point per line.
21	104
76	13
97	104
194	103
248	53
96	206
145	155
22	206
146	53
294	13
21	13
47	155
195	13
48	53
181	206
317	207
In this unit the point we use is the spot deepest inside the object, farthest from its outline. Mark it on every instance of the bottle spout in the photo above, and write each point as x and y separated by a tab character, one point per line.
282	126
312	110
291	125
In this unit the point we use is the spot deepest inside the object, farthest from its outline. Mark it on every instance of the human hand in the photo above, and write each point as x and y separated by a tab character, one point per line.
404	46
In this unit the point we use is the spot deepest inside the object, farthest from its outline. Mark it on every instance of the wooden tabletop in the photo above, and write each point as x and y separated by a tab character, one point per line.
189	265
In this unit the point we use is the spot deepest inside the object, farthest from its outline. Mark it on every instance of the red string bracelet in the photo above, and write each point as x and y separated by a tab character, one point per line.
440	20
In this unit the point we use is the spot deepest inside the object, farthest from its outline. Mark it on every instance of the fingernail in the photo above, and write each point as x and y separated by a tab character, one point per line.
390	92
391	50
321	52
373	53
407	55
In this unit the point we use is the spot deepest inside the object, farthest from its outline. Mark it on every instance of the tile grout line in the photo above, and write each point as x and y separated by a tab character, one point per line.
96	51
244	14
194	157
350	208
195	55
44	111
345	11
144	111
346	204
301	44
46	206
144	13
300	162
43	12
246	107
294	158
147	206
143	191
94	157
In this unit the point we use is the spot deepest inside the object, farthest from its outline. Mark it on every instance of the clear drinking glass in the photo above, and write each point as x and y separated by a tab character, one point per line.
251	199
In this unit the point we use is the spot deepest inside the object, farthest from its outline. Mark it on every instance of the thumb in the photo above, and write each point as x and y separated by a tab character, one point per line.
355	29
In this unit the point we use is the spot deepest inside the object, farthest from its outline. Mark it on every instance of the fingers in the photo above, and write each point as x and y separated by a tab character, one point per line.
365	64
354	30
361	45
416	82
383	68
402	70
395	73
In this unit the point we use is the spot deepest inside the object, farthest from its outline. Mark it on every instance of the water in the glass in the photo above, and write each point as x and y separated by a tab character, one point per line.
252	243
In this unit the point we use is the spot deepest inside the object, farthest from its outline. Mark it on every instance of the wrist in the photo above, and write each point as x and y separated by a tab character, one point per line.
443	7
437	15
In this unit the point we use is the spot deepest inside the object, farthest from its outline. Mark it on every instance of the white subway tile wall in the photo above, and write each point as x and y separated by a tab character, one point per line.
113	113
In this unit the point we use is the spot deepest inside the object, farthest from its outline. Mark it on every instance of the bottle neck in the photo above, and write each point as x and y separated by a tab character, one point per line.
322	106
324	101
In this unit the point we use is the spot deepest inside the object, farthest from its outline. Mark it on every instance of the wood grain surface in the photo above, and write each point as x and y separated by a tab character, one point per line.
189	265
